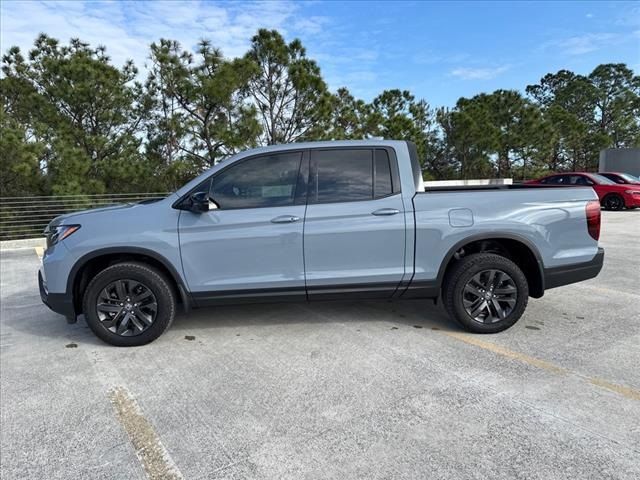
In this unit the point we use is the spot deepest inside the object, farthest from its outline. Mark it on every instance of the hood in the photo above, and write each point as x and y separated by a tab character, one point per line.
74	217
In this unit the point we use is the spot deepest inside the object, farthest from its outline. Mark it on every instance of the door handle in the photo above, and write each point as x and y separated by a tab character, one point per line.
285	219
386	211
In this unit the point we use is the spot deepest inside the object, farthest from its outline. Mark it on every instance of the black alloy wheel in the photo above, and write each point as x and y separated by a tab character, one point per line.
613	202
126	307
129	304
490	296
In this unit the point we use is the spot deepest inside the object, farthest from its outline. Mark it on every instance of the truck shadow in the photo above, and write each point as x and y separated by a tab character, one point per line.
27	315
418	313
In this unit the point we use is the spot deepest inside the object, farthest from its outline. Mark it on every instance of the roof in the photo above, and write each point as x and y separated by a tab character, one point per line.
321	144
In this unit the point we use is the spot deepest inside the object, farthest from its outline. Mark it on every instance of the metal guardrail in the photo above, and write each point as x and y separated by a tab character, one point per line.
26	217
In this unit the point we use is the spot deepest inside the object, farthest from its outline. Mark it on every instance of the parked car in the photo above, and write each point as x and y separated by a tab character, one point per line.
319	221
613	196
621	178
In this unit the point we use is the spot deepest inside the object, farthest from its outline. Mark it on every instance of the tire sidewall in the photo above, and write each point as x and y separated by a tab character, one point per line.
152	279
476	265
619	204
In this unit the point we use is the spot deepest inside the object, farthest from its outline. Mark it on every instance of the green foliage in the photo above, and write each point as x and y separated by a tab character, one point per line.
84	112
350	118
72	123
589	113
290	95
199	113
396	114
617	104
19	160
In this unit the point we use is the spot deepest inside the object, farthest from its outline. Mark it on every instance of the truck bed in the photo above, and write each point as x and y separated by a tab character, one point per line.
465	188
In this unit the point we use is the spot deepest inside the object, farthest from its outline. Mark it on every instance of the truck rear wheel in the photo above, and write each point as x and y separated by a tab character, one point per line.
486	293
129	304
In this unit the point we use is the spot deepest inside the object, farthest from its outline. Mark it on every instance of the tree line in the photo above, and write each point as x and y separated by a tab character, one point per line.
73	123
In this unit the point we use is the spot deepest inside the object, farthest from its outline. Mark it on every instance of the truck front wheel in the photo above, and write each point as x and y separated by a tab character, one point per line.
485	293
129	304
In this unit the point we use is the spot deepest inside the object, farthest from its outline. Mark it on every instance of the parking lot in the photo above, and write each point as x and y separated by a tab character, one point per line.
331	390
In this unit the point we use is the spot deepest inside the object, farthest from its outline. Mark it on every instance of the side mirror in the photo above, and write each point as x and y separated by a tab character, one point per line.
200	202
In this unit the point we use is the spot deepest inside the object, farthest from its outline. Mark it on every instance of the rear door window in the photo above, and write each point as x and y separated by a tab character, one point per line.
560	180
554	180
580	180
342	175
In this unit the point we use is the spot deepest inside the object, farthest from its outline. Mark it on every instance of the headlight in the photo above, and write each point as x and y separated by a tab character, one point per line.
58	233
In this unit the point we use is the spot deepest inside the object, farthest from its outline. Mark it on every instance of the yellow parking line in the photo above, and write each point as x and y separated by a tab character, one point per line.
622	390
39	252
608	291
626	392
505	352
152	454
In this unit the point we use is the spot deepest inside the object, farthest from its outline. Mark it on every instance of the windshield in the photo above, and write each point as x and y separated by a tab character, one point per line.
602	180
629	178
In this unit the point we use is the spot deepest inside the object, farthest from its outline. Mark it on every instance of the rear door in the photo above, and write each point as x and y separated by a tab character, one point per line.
354	231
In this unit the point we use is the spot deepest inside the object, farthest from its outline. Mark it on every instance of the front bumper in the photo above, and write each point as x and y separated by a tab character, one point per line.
632	201
58	302
558	276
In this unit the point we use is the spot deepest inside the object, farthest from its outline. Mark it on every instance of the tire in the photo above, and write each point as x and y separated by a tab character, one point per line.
127	323
509	291
613	202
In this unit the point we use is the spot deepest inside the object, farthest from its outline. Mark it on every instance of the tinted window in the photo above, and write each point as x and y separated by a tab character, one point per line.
602	180
628	177
612	177
563	180
383	184
344	175
580	180
268	181
554	180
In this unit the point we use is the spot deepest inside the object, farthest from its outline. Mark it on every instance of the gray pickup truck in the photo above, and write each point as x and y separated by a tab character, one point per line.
319	221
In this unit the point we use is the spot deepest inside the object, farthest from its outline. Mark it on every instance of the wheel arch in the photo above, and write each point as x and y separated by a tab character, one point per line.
611	195
515	247
95	261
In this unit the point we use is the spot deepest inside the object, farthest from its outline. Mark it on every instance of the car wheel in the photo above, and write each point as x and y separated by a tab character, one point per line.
129	304
613	202
486	293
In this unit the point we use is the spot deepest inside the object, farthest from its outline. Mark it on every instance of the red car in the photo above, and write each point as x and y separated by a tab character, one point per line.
613	196
621	178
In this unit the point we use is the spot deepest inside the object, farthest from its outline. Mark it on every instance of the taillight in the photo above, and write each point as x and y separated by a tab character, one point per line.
593	218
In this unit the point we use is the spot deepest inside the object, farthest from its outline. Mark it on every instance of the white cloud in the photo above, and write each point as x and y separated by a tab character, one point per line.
629	16
590	42
484	73
127	28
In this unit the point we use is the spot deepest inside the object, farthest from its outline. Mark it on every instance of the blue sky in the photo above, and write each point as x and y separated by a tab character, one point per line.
438	50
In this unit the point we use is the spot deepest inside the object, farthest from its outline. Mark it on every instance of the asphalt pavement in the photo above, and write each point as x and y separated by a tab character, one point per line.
331	390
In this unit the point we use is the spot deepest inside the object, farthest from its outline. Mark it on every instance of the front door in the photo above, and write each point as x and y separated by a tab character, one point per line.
354	237
250	246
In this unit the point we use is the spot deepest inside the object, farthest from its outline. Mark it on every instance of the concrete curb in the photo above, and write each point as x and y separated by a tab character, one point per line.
24	243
